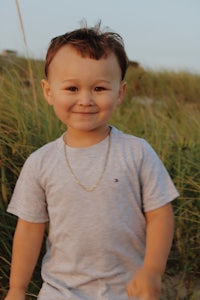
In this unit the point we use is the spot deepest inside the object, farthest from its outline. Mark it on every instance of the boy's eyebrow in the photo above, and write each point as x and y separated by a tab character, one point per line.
75	79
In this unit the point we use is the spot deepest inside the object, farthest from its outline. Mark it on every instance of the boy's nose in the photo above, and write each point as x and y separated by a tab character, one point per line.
85	98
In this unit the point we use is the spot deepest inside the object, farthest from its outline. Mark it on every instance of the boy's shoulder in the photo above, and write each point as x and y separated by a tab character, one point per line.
128	138
134	146
47	151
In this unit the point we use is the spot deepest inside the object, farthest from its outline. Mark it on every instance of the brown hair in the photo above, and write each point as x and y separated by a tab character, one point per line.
90	42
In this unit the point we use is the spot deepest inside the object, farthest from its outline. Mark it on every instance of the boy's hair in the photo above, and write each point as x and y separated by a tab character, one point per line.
90	42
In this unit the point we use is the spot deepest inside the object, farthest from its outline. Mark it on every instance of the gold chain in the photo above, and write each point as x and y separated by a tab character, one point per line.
93	187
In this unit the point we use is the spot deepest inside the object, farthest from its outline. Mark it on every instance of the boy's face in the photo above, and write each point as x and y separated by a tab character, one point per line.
83	91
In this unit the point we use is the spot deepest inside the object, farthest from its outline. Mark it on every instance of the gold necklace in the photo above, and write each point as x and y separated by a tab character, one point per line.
93	187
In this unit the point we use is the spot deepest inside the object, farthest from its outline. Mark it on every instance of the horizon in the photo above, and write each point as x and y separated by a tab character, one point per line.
157	35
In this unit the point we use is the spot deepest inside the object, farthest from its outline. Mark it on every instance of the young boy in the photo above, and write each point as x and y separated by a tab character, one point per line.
105	194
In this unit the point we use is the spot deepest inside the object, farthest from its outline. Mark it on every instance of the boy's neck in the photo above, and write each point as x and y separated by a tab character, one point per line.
82	139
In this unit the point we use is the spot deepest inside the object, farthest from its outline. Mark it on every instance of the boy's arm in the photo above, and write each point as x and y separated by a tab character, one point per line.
146	284
27	243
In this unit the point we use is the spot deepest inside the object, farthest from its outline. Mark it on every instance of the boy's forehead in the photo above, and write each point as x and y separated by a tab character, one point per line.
71	54
69	60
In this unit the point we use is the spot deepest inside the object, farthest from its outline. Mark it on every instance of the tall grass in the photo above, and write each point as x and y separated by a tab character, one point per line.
163	107
27	53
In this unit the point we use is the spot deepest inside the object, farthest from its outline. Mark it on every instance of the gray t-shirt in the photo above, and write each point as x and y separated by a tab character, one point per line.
96	239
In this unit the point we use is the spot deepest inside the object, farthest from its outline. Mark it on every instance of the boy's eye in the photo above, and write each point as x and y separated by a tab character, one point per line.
72	89
99	88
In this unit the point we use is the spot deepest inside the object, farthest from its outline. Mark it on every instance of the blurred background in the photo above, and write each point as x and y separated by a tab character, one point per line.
157	33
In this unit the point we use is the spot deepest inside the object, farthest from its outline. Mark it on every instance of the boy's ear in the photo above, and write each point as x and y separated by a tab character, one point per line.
122	91
47	91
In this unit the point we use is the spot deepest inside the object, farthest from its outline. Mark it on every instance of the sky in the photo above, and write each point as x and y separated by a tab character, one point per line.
158	34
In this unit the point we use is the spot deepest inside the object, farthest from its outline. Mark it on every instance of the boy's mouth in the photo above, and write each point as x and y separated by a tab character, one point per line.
85	112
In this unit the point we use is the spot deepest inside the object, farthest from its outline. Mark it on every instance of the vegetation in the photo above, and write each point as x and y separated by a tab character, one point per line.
163	107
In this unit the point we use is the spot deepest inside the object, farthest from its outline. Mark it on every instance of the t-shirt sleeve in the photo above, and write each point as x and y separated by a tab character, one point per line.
28	201
157	186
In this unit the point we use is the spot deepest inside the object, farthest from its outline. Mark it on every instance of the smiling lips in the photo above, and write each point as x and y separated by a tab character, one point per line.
85	112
